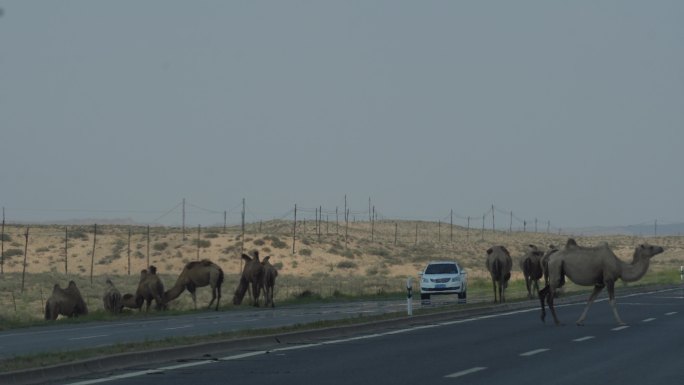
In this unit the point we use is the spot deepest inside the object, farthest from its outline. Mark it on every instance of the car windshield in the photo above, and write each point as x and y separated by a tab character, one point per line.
441	268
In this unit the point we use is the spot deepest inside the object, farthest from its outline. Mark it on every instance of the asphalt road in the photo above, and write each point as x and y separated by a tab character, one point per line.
511	347
65	337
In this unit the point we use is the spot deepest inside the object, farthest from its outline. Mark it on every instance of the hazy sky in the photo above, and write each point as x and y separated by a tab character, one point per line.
568	111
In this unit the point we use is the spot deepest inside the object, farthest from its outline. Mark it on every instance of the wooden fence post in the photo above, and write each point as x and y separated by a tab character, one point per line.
92	256
294	229
128	251
66	250
23	273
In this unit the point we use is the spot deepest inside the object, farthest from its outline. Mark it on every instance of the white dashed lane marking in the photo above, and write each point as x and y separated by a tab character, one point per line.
533	352
582	339
617	329
465	372
671	313
648	320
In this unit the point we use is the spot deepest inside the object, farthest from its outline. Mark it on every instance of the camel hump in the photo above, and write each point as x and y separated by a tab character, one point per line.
246	257
265	260
153	269
571	243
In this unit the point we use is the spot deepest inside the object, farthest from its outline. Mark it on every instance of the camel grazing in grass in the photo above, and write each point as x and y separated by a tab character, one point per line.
532	269
499	265
131	301
270	274
252	274
150	288
198	274
67	302
597	266
112	300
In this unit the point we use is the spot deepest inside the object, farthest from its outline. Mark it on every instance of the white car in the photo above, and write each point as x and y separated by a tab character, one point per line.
443	277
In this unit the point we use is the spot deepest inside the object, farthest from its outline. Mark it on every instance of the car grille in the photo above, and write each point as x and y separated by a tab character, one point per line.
440	280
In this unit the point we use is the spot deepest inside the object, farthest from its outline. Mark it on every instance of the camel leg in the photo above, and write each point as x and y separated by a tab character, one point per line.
194	296
592	297
535	287
549	300
218	296
255	294
494	285
213	298
611	301
542	294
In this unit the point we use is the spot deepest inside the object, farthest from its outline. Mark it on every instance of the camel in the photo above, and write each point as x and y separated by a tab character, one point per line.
270	274
597	266
131	301
150	288
532	269
499	264
112	298
252	274
198	274
67	302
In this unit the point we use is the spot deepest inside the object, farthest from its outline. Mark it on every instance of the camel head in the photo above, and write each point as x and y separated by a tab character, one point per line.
647	251
240	291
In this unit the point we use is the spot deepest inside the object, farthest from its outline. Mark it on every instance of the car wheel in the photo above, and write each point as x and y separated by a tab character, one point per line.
424	296
462	295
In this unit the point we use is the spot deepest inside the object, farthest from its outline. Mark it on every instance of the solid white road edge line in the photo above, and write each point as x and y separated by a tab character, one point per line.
88	337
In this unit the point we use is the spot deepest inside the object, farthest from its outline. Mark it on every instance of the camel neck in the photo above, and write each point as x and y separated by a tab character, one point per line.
634	271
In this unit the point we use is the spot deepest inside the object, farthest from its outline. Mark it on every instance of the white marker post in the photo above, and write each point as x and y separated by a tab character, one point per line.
409	296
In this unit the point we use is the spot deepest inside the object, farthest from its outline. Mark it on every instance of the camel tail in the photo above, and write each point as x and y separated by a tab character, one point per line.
562	275
220	278
496	269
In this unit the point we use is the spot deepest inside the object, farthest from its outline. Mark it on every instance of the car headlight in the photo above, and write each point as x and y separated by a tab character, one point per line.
455	279
425	280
